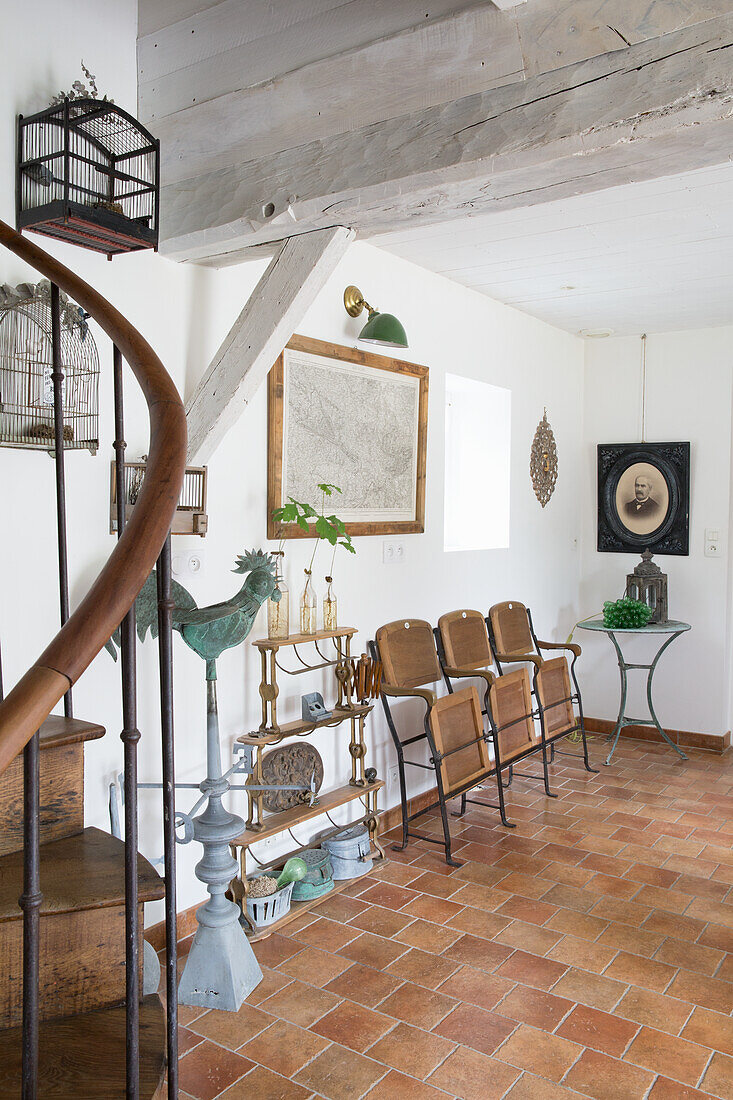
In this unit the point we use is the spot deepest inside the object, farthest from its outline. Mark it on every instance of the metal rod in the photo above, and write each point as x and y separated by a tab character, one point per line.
165	658
57	379
130	736
30	903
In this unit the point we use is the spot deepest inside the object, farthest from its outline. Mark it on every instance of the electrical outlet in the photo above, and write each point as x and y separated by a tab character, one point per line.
393	552
712	542
188	563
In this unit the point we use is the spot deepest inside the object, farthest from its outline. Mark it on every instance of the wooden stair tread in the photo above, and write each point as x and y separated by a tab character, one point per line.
85	871
84	1056
57	730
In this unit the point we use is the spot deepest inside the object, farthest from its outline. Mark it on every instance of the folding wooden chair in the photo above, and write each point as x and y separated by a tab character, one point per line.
513	639
452	726
465	650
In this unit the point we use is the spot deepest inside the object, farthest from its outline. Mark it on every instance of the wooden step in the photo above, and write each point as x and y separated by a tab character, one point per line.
61	783
83	1056
82	927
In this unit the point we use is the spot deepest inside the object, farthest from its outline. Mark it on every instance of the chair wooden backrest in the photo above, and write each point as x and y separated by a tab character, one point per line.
408	654
465	640
553	692
510	627
510	700
457	727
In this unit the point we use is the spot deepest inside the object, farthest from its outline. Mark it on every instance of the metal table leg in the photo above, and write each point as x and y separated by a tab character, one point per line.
622	719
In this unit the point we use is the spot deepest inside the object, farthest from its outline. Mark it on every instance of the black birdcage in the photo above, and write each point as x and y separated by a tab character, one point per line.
26	366
88	173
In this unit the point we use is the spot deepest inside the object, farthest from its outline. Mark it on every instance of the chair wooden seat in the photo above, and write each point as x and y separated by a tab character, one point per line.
452	725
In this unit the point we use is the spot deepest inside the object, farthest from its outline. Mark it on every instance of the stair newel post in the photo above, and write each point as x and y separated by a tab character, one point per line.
130	736
30	903
165	656
57	380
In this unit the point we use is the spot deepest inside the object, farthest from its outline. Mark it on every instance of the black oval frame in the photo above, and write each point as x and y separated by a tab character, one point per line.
673	462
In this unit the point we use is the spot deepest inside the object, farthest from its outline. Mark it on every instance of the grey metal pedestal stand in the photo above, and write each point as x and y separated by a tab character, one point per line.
221	970
673	629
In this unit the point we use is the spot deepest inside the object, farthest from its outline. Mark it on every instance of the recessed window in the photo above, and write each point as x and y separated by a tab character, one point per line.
478	420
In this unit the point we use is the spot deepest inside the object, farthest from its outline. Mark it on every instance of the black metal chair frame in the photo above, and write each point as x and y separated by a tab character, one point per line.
429	697
575	699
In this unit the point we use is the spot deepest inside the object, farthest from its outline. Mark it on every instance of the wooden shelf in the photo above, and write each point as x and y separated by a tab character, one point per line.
298	907
286	819
301	639
294	729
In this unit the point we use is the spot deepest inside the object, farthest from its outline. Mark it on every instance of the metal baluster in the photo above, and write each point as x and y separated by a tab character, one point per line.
57	378
30	903
165	656
130	736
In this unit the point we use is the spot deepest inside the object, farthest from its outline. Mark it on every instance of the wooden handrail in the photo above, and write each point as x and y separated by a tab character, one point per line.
117	586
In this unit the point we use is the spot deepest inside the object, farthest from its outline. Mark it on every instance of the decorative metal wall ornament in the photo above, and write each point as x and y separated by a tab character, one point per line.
26	366
543	461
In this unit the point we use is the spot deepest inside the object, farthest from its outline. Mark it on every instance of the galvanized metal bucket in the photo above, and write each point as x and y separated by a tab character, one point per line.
264	911
349	851
319	879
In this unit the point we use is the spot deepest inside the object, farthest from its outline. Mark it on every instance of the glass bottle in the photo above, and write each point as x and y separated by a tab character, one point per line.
329	607
278	611
308	606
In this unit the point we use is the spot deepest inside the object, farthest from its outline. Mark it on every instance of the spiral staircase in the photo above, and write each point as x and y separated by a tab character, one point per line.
73	1019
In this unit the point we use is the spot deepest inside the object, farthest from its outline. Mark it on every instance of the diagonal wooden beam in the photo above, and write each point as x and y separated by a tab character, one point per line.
276	307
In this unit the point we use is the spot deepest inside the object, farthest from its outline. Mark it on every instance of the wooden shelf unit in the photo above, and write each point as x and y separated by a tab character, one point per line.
261	825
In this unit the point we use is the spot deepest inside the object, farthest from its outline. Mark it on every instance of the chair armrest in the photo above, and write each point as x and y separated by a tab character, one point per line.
519	657
483	673
429	697
572	646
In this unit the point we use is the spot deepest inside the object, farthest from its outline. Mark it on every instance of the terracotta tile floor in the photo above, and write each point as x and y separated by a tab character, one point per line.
588	952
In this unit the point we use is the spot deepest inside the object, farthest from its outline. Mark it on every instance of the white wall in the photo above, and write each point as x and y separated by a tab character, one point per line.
185	312
689	379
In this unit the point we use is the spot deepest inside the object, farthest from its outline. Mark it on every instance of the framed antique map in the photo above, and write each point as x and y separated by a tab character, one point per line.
353	419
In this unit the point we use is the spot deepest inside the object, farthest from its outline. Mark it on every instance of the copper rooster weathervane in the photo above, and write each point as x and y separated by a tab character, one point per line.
543	461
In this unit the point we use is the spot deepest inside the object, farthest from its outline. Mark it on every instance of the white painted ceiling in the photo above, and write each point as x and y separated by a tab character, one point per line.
646	257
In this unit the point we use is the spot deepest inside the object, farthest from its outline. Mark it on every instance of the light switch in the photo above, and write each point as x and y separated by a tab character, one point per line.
713	542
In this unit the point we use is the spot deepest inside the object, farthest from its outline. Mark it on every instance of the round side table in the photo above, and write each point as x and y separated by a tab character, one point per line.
669	631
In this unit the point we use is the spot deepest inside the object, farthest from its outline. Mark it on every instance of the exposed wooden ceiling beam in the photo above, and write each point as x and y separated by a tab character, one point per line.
269	318
650	109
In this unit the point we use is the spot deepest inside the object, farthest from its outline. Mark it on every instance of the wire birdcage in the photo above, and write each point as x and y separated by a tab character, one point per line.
26	366
88	173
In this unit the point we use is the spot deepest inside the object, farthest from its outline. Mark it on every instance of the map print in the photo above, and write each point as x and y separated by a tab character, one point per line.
352	426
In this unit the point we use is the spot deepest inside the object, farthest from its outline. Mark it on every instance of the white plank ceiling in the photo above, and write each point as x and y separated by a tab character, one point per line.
645	257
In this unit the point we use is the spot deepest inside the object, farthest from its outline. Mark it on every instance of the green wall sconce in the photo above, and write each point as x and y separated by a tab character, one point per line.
381	328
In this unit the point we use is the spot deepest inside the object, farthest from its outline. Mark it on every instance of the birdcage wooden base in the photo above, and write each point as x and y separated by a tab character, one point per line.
89	227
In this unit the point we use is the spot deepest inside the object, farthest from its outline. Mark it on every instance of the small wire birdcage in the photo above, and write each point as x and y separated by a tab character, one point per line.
26	366
88	173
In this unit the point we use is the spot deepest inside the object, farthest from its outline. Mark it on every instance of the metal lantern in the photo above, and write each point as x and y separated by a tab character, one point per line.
649	584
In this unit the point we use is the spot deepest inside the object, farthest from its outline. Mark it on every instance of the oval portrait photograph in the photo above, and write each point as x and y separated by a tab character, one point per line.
642	498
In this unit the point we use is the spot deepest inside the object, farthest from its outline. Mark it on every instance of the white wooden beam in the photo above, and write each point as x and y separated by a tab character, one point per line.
276	307
507	5
236	44
651	109
420	68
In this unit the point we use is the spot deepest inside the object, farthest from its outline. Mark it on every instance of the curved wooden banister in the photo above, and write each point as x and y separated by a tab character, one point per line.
115	589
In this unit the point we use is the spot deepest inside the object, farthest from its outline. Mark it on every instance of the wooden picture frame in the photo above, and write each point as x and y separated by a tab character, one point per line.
452	720
660	521
345	385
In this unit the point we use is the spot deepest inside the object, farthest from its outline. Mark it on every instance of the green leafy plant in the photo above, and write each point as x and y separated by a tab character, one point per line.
626	614
326	527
